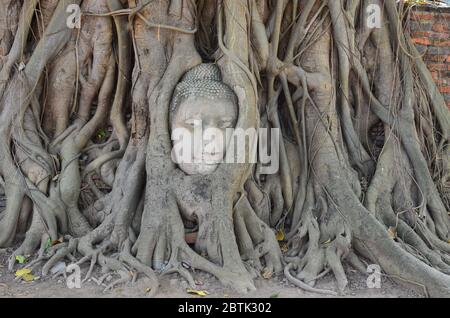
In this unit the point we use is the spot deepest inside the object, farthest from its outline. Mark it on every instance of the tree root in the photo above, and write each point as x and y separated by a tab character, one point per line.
302	285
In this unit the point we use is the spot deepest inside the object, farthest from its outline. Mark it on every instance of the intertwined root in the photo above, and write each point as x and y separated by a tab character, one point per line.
315	250
397	218
162	244
256	240
123	264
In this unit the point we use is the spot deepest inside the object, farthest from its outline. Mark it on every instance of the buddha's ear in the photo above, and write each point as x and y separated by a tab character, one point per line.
240	93
242	101
248	116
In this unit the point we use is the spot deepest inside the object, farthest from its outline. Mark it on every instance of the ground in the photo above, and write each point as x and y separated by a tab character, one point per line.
173	286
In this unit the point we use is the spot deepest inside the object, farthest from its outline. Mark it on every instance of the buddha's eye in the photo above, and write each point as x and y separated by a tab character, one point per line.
225	124
193	122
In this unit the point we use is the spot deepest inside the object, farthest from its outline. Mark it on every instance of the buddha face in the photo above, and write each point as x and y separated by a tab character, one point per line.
204	122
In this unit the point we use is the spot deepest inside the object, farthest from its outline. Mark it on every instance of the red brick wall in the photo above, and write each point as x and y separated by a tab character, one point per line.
430	30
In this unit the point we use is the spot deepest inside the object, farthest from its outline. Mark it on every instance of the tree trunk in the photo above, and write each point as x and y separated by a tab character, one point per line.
86	148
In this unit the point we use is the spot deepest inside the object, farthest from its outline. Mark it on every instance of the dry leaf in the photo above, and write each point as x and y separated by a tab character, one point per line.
284	248
201	293
266	273
22	272
280	235
29	277
392	231
327	242
58	241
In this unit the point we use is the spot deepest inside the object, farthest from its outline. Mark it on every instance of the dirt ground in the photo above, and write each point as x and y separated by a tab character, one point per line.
172	286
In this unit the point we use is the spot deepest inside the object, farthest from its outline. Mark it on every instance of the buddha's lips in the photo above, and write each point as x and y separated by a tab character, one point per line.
208	160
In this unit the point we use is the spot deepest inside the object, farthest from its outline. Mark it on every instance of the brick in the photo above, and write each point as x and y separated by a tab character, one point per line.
445	90
422	41
422	26
440	75
441	43
430	32
438	50
440	27
437	67
434	74
442	82
422	49
436	58
430	35
419	16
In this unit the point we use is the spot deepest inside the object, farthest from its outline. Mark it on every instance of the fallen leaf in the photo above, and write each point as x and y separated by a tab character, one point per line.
280	235
201	293
266	273
420	2
101	134
274	296
327	242
284	248
147	290
29	277
48	244
22	272
392	231
21	259
58	241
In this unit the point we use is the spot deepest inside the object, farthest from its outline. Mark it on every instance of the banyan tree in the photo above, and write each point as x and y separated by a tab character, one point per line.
92	91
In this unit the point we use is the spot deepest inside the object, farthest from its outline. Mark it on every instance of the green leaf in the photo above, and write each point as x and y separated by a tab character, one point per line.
101	134
48	244
21	259
274	295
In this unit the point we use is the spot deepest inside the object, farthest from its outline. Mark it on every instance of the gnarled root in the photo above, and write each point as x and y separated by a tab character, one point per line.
162	243
256	240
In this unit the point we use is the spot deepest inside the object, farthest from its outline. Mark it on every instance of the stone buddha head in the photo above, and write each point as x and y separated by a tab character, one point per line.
202	109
